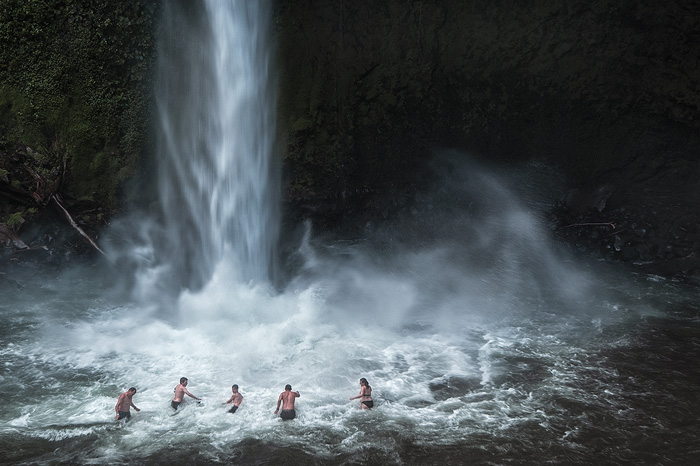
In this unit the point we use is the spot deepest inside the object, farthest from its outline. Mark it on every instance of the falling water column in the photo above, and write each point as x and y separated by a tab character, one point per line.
218	181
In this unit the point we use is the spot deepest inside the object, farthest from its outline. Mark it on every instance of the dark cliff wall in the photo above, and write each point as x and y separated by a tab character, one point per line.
605	89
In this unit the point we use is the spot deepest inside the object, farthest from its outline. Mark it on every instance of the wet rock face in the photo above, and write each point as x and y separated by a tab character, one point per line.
606	90
47	241
368	89
658	231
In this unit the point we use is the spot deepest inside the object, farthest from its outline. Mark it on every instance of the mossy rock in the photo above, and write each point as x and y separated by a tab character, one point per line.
302	124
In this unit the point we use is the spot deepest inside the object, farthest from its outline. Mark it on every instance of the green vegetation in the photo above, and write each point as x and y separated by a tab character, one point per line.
14	220
75	87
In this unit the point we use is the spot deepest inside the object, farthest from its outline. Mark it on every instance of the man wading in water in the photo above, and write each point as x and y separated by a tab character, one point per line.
236	399
180	392
124	403
287	398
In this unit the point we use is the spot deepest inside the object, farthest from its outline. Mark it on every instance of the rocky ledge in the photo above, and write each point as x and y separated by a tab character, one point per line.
656	230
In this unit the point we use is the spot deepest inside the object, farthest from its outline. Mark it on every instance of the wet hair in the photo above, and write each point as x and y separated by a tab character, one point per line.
133	389
234	386
183	379
364	381
287	387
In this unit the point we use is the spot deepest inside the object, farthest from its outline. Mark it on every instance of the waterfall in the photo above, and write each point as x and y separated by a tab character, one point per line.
218	183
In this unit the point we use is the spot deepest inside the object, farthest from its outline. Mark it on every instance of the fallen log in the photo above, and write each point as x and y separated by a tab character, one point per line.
73	223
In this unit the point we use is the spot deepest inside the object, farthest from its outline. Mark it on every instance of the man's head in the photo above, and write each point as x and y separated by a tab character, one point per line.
234	387
183	380
288	387
132	390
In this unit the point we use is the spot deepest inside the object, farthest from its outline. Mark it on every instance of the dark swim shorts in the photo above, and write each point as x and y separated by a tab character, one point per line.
369	403
288	414
175	404
124	415
233	409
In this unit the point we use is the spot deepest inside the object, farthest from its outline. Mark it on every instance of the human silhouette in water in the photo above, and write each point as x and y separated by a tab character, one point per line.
236	399
287	398
124	403
365	395
180	392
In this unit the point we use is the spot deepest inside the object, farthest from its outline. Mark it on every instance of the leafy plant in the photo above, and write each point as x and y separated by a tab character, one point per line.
14	220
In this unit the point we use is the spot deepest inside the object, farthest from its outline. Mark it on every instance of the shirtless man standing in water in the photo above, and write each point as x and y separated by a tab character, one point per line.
124	403
180	392
287	398
236	399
